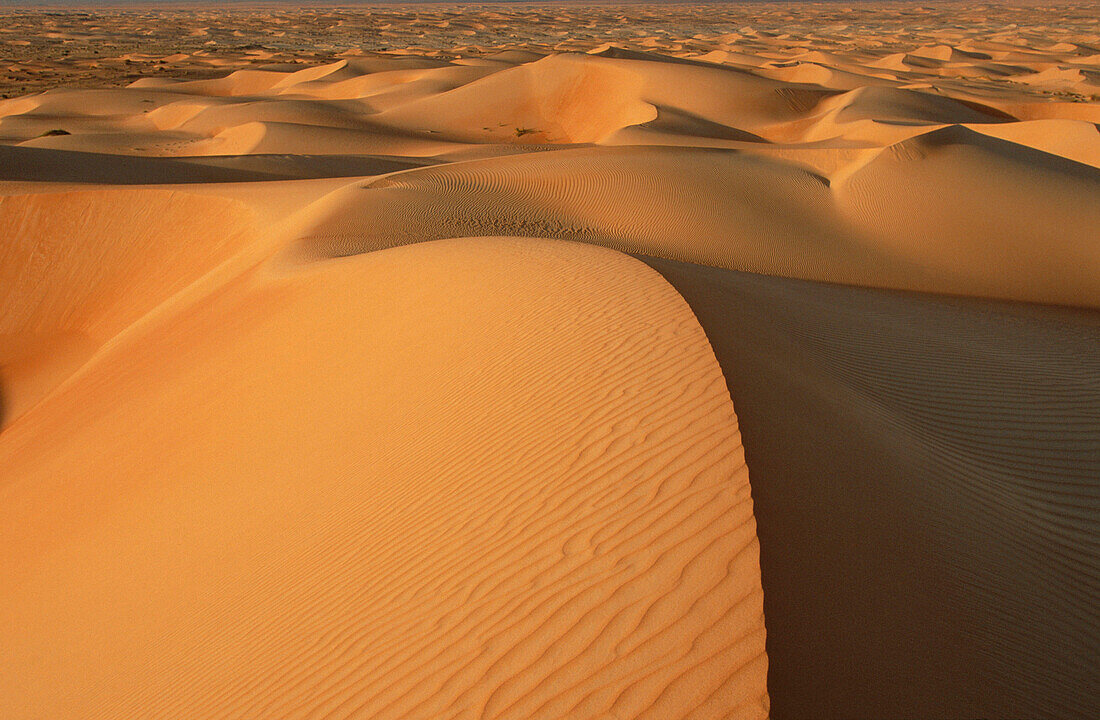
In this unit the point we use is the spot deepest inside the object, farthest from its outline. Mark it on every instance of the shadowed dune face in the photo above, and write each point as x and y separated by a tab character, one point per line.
329	388
924	485
22	164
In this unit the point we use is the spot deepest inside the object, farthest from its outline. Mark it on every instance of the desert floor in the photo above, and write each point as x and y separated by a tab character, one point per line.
513	361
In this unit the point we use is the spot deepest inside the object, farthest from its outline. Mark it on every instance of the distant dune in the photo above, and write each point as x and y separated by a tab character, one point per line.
342	381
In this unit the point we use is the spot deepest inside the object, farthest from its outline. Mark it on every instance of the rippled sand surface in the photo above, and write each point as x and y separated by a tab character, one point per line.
677	361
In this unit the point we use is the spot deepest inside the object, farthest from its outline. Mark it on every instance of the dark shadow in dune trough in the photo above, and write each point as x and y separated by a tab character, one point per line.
926	478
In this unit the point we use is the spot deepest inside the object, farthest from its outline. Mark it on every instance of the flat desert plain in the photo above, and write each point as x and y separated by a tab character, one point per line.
550	361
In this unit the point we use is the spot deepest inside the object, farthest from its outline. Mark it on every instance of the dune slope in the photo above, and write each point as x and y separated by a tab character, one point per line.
493	478
924	485
78	267
950	211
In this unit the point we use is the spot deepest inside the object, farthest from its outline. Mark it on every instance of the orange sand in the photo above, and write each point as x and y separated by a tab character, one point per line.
329	387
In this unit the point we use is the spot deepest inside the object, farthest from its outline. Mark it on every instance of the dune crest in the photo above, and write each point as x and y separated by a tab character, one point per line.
510	483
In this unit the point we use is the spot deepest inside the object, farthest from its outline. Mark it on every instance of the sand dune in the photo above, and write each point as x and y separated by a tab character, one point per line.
1034	216
553	520
329	387
815	182
1007	221
923	475
79	267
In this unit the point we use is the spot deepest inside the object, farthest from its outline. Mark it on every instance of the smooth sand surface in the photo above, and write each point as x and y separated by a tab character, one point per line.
329	387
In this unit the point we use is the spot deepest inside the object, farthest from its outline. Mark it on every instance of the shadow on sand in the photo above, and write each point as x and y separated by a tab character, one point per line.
926	478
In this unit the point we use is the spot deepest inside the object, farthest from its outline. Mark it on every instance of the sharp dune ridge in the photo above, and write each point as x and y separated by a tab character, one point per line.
396	362
954	443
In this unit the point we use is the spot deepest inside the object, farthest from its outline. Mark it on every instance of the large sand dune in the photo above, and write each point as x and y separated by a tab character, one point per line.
492	478
329	387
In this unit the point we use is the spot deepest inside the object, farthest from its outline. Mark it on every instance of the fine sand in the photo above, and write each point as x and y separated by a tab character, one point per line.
396	362
924	481
499	478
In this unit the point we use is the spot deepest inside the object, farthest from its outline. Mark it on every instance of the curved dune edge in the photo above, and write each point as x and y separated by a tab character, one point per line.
924	485
492	477
950	211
